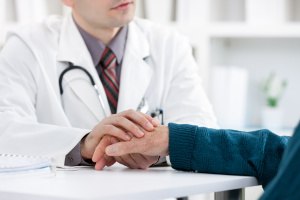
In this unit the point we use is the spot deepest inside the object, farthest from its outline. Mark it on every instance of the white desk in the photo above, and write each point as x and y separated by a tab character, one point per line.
117	183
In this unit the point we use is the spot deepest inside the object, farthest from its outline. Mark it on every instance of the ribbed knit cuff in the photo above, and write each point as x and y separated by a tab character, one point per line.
181	145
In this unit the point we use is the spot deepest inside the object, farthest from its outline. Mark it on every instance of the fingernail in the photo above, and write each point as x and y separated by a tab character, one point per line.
111	149
149	125
140	133
155	122
127	137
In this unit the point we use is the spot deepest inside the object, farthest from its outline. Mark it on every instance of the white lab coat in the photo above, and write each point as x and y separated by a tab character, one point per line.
35	119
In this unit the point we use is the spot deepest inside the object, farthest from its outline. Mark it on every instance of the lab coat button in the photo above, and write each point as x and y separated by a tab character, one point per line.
70	159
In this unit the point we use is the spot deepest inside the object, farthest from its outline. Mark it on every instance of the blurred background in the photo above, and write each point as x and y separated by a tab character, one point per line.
247	52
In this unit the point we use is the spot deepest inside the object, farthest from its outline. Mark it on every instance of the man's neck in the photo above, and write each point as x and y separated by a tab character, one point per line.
103	34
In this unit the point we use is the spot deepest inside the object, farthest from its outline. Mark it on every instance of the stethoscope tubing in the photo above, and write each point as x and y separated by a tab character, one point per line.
71	67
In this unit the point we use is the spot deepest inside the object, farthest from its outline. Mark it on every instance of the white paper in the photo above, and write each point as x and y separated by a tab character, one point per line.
19	165
15	164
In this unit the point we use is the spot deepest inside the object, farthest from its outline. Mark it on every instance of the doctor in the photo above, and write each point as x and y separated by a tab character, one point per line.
67	82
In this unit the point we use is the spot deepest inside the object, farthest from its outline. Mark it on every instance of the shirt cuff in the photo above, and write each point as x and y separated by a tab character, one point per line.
74	158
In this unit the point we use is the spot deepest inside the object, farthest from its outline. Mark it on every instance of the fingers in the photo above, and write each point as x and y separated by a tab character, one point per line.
100	148
127	125
140	119
89	144
141	161
121	148
124	125
127	161
151	159
136	161
104	161
130	121
100	164
99	155
116	132
109	160
155	122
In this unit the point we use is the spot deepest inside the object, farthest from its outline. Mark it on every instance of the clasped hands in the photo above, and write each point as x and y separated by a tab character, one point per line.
131	138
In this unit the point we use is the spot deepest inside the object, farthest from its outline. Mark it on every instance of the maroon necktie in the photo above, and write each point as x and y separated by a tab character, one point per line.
108	76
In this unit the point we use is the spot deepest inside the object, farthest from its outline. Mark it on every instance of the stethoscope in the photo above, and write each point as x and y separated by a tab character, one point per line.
157	113
72	67
143	106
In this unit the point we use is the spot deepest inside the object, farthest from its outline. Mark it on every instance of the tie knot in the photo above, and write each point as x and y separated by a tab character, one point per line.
108	59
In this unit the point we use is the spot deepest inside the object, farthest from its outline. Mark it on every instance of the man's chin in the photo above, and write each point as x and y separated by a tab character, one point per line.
123	21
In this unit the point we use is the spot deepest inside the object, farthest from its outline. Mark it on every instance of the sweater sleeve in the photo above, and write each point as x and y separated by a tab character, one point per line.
206	150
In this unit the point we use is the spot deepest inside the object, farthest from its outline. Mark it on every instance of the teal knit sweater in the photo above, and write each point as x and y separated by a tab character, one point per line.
207	150
256	153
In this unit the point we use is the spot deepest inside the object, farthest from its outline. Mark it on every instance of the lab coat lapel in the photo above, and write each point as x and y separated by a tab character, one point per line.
136	72
73	49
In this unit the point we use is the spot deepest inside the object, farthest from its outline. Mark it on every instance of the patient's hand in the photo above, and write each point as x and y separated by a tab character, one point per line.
155	143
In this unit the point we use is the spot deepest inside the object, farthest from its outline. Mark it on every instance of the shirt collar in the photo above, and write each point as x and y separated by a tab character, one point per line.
96	47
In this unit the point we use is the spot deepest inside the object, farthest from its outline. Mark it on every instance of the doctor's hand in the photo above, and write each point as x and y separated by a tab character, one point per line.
122	126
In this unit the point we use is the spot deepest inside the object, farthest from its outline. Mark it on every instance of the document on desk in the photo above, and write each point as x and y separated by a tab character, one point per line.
16	165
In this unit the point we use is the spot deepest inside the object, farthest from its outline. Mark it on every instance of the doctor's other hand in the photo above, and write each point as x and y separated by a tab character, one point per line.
123	126
154	143
102	159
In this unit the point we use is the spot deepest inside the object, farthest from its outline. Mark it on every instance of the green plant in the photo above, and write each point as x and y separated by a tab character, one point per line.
273	89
